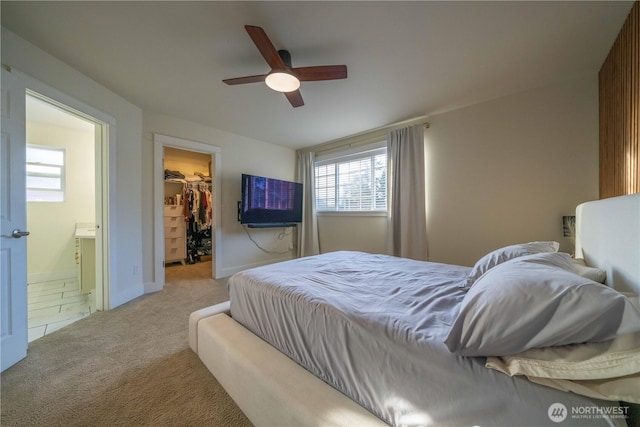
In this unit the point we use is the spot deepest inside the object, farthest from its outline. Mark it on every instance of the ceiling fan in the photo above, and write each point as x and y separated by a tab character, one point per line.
283	77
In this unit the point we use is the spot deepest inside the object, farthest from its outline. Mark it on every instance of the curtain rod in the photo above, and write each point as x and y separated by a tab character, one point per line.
365	137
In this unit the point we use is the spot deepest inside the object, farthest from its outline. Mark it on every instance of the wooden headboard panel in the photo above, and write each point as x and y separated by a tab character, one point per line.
608	237
619	98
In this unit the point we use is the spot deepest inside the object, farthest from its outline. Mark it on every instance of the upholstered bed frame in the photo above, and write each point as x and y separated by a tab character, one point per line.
273	390
270	388
608	237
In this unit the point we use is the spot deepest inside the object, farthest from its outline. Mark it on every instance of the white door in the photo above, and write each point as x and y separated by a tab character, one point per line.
101	137
13	215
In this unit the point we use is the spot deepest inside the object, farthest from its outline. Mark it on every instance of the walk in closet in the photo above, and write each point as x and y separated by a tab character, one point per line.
188	209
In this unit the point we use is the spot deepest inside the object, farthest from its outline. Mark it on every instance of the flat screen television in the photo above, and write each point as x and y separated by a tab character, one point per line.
269	202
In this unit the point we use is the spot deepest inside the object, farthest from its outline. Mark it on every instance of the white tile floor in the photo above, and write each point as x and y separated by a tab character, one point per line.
54	305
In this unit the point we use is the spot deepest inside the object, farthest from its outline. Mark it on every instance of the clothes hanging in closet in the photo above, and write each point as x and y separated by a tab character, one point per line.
198	212
198	208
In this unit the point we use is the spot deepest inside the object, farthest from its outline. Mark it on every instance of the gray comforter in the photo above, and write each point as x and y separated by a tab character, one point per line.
372	326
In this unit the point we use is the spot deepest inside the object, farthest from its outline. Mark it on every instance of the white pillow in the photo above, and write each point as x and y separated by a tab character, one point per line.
501	255
618	357
537	301
595	274
606	370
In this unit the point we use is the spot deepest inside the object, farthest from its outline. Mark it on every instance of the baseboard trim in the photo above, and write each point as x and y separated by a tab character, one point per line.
151	287
230	271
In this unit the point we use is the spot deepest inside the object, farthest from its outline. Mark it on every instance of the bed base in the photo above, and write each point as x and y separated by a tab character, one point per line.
269	388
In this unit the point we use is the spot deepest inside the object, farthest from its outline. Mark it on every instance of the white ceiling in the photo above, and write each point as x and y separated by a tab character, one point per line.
404	59
39	111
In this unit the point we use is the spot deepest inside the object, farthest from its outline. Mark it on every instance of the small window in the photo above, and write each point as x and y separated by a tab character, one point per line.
45	174
353	183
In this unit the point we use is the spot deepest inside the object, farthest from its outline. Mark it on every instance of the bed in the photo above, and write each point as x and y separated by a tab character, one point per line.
377	340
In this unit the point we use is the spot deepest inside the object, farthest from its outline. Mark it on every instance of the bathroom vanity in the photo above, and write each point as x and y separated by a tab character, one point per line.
86	256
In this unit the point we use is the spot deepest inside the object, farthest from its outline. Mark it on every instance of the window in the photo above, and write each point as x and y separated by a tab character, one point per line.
45	174
353	183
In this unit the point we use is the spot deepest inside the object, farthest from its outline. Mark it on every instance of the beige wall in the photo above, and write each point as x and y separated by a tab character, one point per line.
506	171
51	244
239	155
500	172
352	232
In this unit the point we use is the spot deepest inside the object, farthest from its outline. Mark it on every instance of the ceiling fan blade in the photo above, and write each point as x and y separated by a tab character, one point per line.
323	72
264	45
243	80
295	98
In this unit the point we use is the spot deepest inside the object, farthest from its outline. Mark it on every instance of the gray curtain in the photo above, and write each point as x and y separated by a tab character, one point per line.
307	238
407	210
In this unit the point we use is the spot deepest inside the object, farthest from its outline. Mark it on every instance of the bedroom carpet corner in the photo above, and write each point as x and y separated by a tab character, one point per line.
131	366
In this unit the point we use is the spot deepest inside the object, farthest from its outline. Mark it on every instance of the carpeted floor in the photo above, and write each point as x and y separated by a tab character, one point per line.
131	366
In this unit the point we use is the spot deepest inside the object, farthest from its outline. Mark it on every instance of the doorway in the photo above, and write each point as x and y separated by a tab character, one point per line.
188	215
15	88
64	273
181	154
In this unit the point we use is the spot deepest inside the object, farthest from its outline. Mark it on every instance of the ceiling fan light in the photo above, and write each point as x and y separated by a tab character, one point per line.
282	81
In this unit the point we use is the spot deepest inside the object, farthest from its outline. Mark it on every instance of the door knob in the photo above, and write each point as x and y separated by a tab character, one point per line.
16	234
